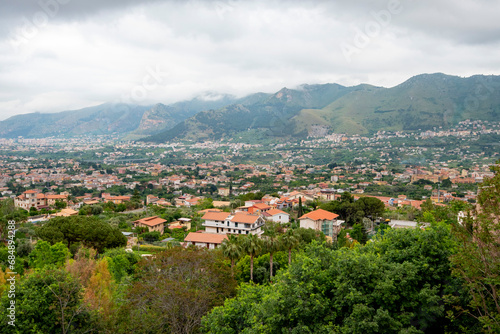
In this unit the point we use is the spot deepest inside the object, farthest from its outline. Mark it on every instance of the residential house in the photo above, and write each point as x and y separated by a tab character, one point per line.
205	240
322	220
180	223
153	224
277	216
237	223
115	199
223	192
38	200
259	208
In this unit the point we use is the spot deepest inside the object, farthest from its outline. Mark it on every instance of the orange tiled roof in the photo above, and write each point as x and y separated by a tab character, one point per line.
212	238
124	198
320	214
241	217
261	206
56	196
151	221
214	215
273	212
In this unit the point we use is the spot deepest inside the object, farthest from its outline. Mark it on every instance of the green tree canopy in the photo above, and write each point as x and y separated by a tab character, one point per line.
395	284
47	301
44	254
174	290
478	260
90	231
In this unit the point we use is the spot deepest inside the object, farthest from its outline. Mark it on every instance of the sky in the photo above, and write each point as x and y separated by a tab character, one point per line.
60	55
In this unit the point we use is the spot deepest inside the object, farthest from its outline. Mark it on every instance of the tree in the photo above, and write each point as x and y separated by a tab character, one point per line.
231	248
44	254
272	242
136	196
351	212
174	290
446	183
394	285
477	261
97	282
33	211
251	245
290	240
299	211
151	236
47	301
359	234
121	264
89	231
371	206
120	207
61	204
346	197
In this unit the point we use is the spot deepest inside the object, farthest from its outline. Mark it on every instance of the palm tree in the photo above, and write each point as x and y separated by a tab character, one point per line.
273	242
252	246
290	240
231	248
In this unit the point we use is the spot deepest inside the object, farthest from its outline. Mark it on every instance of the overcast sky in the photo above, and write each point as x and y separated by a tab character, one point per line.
66	54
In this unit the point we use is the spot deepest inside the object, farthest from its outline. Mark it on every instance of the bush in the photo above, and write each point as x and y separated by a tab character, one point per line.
149	248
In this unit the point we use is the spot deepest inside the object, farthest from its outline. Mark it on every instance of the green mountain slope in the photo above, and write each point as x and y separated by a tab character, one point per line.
271	113
103	119
422	102
134	121
164	117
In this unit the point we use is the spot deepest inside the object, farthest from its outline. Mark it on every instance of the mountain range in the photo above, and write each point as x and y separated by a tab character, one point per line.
420	103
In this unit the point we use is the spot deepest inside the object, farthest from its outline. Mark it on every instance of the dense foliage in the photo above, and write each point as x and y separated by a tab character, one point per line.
478	260
395	284
76	230
174	290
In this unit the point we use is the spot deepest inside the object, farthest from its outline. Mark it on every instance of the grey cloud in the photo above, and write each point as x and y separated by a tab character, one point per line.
96	51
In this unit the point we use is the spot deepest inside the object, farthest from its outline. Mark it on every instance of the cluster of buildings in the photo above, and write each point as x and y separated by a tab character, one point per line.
244	220
38	200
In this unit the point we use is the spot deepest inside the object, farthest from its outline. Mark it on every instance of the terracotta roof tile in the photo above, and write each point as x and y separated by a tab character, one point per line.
273	212
245	218
213	215
212	238
261	206
320	214
151	221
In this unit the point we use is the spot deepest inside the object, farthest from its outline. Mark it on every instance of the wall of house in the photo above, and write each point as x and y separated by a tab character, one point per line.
307	223
156	228
203	245
282	218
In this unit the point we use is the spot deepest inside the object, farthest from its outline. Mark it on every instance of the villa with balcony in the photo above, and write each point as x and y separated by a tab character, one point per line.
228	223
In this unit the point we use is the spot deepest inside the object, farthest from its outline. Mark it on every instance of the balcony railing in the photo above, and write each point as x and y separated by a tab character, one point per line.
232	225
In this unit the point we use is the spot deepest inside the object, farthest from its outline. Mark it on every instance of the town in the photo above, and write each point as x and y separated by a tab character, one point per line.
260	205
110	176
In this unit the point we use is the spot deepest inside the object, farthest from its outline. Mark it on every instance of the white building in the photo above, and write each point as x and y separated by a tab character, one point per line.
322	220
238	223
277	216
205	240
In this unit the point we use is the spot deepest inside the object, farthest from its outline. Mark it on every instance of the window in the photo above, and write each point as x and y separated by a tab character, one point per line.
235	224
